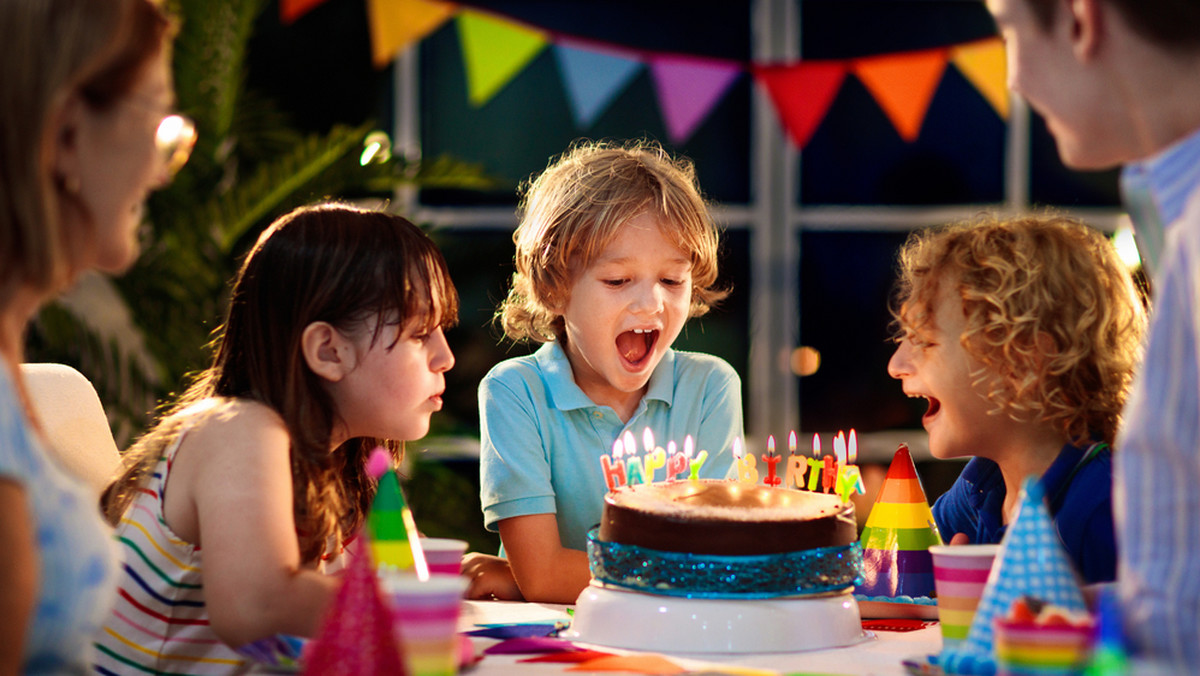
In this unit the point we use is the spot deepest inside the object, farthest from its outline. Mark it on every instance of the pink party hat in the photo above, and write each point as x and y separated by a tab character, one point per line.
898	535
1032	562
356	637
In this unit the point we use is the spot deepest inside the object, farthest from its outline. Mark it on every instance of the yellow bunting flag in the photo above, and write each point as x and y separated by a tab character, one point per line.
982	63
903	85
395	24
494	51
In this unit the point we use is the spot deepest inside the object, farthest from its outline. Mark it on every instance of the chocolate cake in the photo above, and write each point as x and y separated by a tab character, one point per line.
725	518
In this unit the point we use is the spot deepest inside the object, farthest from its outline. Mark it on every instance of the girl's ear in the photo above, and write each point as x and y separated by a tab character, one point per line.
1088	28
326	351
65	127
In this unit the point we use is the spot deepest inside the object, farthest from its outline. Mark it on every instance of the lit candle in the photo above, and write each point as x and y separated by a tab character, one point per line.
614	466
850	479
677	462
794	477
694	464
655	455
771	459
815	464
633	466
747	467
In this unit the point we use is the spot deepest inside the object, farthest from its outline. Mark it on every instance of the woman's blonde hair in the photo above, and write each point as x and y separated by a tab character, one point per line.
54	49
1051	314
574	209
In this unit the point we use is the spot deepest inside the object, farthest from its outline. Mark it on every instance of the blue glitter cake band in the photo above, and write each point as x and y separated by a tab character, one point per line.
810	572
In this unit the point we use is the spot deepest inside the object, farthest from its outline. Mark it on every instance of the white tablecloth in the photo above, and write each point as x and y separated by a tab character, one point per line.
881	654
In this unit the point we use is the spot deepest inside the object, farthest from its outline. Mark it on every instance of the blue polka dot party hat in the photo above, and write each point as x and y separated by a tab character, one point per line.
1032	563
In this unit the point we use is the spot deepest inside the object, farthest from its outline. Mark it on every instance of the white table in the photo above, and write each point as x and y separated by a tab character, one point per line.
881	654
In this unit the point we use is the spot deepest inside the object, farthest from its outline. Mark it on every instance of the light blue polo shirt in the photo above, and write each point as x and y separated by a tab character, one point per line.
542	437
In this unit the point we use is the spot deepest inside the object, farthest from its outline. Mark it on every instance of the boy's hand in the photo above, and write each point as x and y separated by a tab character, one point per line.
960	539
491	578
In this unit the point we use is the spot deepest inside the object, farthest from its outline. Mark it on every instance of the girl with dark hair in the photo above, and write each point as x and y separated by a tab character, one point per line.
229	508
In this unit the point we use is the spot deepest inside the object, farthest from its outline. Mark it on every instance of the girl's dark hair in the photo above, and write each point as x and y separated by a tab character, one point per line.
326	263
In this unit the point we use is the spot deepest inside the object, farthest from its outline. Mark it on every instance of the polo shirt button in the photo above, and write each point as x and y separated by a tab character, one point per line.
598	414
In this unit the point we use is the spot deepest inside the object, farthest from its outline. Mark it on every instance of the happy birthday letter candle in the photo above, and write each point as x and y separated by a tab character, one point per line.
747	466
614	466
633	466
677	462
655	455
794	476
849	478
815	464
694	464
771	459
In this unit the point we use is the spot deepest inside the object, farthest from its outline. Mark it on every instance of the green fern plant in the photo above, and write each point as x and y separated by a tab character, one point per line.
138	337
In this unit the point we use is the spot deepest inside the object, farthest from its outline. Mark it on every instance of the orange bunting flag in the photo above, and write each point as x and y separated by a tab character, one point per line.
903	85
395	24
290	10
982	63
802	94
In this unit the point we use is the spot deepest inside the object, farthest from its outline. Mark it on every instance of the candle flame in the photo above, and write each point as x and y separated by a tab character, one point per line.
792	441
671	447
687	445
816	446
737	448
770	444
630	444
618	449
853	449
839	447
648	440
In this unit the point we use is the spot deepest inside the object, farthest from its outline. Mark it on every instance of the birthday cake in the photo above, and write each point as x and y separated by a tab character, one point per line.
724	539
725	518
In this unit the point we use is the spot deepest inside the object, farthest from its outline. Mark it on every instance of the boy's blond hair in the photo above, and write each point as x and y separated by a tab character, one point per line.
574	209
1051	314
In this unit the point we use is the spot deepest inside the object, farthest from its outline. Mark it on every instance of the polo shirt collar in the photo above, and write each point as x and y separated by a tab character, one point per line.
565	393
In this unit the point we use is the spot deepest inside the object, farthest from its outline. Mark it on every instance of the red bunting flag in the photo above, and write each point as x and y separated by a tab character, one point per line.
802	93
290	10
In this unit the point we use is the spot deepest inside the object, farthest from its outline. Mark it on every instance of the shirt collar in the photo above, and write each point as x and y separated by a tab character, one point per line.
1171	176
566	395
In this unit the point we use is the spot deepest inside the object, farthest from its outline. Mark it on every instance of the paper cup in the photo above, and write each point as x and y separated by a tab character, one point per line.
960	573
1025	649
444	555
426	620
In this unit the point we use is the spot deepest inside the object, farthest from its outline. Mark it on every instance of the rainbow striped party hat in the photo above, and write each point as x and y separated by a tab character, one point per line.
899	532
1031	562
395	541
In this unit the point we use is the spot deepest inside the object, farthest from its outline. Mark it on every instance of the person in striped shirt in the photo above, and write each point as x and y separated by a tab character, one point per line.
230	505
1116	82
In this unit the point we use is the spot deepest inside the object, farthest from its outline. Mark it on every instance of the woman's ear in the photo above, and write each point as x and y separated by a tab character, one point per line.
1087	29
326	351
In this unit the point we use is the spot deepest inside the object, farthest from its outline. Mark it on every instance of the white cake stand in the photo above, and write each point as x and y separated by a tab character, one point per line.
620	618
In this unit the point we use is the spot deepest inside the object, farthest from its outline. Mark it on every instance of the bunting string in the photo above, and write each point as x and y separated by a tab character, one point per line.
496	49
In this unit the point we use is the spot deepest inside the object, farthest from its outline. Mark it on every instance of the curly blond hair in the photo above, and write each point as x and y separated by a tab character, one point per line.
1052	315
575	208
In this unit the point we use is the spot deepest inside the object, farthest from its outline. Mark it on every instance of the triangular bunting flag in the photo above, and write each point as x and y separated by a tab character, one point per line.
903	85
688	89
593	78
898	534
494	51
982	63
290	10
356	637
395	24
802	94
1031	562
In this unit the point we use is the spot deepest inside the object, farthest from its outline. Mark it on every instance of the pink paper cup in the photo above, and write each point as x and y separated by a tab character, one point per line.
960	573
425	618
1025	649
444	555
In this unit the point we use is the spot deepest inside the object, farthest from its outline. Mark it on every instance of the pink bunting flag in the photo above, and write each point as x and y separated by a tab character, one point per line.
802	94
688	89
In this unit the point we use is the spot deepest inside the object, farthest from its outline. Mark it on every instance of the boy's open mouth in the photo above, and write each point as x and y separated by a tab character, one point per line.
934	407
634	346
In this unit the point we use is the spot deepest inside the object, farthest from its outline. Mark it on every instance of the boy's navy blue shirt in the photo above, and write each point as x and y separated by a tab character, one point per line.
1080	501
